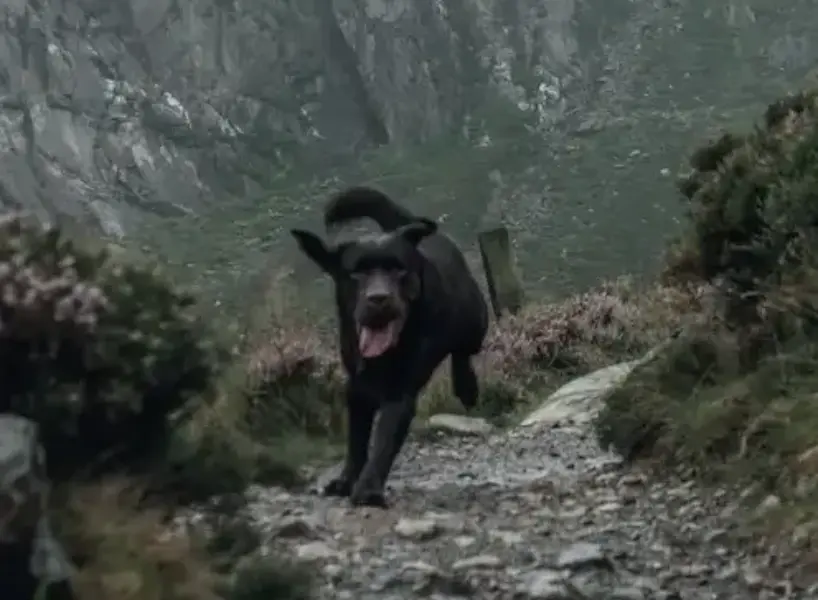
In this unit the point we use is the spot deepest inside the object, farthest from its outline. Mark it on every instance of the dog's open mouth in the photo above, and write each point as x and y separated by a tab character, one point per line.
373	342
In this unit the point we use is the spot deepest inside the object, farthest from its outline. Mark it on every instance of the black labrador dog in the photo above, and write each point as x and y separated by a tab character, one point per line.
406	301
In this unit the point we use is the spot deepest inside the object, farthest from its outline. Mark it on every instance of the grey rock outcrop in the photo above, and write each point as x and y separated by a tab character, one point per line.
30	556
113	108
579	400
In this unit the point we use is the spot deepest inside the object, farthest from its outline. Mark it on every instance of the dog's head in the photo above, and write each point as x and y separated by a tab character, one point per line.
378	279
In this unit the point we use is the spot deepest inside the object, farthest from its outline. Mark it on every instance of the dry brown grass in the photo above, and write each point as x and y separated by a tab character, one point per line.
124	551
127	549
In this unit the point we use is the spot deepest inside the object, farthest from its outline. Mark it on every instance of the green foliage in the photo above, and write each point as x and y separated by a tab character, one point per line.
697	406
289	394
203	463
652	405
752	204
734	395
102	355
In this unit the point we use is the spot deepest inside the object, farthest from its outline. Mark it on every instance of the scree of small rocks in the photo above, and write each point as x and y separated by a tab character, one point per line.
534	512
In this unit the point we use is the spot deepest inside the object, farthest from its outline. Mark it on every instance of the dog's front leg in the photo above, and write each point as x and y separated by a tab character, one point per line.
390	434
393	425
360	414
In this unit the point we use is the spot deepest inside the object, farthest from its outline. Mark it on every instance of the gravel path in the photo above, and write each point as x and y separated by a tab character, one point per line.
532	513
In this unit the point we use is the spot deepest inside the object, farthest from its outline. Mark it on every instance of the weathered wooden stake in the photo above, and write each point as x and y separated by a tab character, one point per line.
505	289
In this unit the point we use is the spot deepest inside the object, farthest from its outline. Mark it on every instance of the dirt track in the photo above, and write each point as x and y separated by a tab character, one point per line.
531	513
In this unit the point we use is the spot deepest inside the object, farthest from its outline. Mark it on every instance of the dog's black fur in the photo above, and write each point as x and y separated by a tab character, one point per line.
410	285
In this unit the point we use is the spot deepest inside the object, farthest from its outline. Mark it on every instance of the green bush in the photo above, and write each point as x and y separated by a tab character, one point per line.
104	356
651	412
753	208
734	395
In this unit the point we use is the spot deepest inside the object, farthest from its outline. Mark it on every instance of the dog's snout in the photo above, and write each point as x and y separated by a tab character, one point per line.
378	298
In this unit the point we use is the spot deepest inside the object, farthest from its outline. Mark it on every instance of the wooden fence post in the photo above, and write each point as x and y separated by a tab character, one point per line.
505	288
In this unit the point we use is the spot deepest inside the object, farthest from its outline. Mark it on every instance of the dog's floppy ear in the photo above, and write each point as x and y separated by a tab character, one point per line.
414	232
317	251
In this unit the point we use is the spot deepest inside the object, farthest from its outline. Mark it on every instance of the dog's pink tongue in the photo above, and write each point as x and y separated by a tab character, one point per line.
374	342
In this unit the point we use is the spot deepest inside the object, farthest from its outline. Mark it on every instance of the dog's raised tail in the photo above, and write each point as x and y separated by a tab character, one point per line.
361	202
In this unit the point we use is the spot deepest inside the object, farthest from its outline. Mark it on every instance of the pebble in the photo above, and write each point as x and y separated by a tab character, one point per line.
417	529
544	584
459	424
483	561
315	551
581	555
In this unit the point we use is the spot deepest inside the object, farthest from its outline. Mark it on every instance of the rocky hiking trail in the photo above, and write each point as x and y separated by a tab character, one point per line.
536	511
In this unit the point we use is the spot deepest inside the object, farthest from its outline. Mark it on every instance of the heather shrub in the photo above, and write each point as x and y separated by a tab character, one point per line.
124	379
714	401
291	379
287	379
288	382
294	382
279	406
105	356
618	321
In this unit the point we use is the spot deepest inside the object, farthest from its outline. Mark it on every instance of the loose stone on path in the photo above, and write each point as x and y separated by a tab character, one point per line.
459	424
417	529
581	554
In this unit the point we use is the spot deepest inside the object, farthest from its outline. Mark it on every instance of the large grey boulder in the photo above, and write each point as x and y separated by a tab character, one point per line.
579	401
30	557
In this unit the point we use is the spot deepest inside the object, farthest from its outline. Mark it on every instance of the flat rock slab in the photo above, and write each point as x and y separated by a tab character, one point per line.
579	400
459	424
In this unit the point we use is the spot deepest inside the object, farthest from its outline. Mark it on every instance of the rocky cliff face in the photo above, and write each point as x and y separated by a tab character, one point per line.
113	107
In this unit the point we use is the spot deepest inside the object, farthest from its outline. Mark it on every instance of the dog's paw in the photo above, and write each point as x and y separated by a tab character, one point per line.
368	496
340	486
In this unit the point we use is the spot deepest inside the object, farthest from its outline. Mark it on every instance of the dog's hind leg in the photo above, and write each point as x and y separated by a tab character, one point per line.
464	380
360	415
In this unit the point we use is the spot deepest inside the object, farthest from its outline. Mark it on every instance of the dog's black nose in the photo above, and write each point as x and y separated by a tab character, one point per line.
377	299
